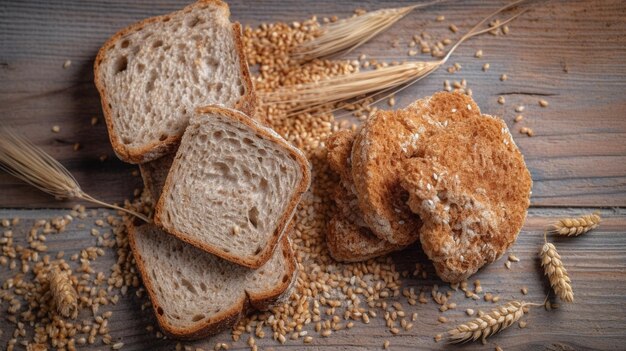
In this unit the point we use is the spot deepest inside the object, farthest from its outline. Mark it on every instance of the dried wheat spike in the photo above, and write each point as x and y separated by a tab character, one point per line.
489	324
576	226
64	296
556	272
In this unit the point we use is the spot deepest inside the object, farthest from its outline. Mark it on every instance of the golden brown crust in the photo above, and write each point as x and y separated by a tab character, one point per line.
339	148
348	241
224	319
469	183
377	155
348	237
247	103
285	288
302	187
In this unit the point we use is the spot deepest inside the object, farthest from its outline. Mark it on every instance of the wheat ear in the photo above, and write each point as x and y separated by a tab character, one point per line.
576	226
64	296
391	79
346	35
22	159
556	272
490	323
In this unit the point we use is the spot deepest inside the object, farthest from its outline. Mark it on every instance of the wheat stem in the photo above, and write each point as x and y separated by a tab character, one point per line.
556	272
328	92
576	226
490	323
22	159
346	35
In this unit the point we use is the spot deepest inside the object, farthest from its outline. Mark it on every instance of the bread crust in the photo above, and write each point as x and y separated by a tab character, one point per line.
469	183
265	254
157	148
377	155
348	238
228	317
349	242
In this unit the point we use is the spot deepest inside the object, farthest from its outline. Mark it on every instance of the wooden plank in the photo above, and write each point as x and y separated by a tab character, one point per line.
596	262
576	158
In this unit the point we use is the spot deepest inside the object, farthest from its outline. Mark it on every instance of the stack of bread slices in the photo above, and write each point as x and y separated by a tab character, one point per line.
178	100
437	171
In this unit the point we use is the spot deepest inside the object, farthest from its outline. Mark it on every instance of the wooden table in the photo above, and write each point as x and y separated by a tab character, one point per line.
571	53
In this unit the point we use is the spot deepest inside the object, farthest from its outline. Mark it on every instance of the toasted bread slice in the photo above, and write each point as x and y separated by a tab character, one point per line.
195	294
348	237
233	187
347	240
377	154
468	181
153	74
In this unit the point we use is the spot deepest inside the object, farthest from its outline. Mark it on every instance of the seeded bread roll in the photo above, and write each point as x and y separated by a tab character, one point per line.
232	188
468	181
377	155
152	75
195	294
348	237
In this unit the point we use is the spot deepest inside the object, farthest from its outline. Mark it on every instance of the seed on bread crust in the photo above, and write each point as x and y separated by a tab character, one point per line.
469	183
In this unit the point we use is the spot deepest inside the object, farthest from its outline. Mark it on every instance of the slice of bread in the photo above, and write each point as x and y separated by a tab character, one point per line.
195	294
348	237
233	187
467	180
377	156
152	75
347	240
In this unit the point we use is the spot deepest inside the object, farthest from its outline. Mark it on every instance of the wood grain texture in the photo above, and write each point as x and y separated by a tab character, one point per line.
577	158
595	261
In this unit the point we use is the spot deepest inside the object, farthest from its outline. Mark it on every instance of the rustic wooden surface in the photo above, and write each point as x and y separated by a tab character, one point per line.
569	52
596	262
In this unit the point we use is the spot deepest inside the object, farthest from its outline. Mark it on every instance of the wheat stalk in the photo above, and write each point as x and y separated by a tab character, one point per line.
490	323
576	226
391	79
64	296
22	159
346	35
556	272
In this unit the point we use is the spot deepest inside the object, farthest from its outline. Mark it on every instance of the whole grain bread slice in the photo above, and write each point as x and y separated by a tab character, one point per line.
233	187
153	74
195	294
378	152
348	237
